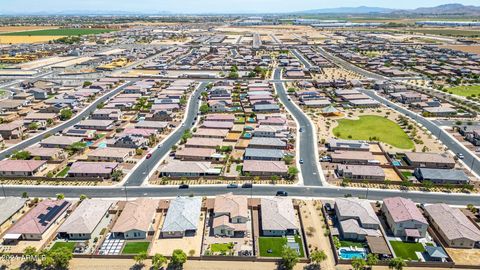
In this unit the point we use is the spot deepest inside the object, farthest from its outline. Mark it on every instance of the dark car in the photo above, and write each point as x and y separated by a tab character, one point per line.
149	155
247	185
183	186
282	193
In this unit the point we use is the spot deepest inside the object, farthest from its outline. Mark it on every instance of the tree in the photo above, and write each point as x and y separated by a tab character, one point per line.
33	126
76	147
60	196
178	258
358	264
318	257
30	253
372	259
66	114
140	257
204	109
158	261
427	185
86	84
292	171
397	263
117	175
83	197
233	75
24	195
289	258
58	258
21	155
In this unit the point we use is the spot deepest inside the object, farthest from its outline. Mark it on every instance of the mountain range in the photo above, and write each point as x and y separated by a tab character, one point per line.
447	9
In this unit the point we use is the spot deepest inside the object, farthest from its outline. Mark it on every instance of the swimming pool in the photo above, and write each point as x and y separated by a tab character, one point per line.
102	145
348	254
396	163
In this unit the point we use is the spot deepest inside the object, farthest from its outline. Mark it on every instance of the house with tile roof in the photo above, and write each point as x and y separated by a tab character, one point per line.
136	220
357	219
84	221
278	217
404	218
182	217
453	226
230	215
37	221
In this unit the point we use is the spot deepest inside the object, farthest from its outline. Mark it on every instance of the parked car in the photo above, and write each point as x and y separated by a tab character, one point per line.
460	156
183	186
300	130
282	193
232	185
247	185
149	155
301	161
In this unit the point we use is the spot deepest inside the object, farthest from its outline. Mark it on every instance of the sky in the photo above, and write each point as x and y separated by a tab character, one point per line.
209	6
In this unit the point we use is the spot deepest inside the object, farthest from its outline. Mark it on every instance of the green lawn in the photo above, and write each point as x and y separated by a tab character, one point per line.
344	243
63	172
466	90
406	250
276	244
218	247
59	32
69	245
370	126
135	247
407	174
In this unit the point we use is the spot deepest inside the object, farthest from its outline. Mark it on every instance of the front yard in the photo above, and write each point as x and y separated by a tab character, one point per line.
407	250
135	247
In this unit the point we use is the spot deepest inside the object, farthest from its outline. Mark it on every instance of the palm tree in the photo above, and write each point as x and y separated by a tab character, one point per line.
397	263
358	264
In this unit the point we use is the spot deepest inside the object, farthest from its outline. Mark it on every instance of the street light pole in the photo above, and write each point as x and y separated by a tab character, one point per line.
3	188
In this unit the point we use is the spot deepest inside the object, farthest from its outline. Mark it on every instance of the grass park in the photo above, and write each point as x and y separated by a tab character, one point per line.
135	247
465	90
407	250
372	127
59	32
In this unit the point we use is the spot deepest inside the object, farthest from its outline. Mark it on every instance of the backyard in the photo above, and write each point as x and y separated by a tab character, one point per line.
466	90
69	245
372	127
135	247
273	246
407	250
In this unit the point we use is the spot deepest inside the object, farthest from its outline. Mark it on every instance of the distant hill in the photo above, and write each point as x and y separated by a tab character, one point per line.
348	10
448	9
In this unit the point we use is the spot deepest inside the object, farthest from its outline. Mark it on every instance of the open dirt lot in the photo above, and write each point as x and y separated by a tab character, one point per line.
26	39
9	29
464	48
464	256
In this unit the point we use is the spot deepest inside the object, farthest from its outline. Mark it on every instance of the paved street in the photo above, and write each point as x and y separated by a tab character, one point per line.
455	146
309	169
141	172
74	120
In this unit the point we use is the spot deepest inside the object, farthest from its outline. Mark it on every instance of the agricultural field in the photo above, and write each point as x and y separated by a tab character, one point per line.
465	91
8	29
373	127
59	32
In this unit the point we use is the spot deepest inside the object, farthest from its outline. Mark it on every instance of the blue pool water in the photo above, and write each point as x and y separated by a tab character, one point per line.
396	163
102	145
88	143
348	254
247	135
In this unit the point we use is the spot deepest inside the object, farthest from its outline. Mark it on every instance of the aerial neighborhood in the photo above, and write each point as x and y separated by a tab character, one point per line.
331	138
